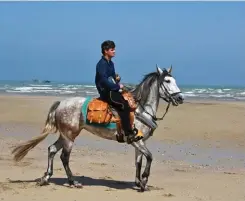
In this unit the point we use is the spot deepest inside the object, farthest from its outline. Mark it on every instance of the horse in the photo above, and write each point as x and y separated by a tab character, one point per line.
67	118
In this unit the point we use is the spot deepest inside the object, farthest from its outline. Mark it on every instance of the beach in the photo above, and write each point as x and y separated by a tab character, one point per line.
198	155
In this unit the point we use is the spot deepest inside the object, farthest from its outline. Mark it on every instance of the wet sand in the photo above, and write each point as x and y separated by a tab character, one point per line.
198	150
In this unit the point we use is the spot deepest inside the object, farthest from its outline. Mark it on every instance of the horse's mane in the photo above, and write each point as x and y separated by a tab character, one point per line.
142	90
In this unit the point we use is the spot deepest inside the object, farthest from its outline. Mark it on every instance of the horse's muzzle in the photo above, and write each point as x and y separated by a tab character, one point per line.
177	99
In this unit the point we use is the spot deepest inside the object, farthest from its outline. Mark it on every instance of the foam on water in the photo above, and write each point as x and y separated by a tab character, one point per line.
59	89
214	93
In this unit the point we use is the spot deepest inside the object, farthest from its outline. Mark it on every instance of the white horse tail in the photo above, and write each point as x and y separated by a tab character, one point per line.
21	150
50	124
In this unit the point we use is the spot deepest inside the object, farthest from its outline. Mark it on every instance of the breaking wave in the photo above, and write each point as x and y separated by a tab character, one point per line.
224	93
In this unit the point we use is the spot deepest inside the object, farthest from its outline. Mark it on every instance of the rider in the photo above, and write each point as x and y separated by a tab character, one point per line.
108	86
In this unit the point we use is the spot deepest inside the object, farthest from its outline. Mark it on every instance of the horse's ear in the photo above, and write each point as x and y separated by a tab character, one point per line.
159	70
170	69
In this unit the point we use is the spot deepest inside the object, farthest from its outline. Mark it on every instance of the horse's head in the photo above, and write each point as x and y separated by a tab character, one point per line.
168	88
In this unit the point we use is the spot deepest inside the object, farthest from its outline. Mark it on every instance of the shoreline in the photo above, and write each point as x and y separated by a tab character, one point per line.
190	92
60	97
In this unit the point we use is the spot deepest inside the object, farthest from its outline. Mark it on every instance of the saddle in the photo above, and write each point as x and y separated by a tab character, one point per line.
100	112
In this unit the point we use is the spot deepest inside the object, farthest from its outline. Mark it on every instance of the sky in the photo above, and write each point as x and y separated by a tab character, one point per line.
60	41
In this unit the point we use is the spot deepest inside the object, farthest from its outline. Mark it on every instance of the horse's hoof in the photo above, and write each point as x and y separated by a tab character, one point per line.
75	184
137	184
141	186
142	189
42	182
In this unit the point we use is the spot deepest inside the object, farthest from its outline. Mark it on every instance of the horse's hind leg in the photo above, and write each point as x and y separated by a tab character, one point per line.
65	156
52	150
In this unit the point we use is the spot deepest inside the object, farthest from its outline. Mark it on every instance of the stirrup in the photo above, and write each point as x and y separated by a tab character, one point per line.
133	138
138	135
137	132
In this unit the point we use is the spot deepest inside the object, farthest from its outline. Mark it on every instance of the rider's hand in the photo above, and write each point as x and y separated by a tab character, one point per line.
121	86
118	78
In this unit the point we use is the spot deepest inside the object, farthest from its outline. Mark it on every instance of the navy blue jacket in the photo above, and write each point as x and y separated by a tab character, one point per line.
104	70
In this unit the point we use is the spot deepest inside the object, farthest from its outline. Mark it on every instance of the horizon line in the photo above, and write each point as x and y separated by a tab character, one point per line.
92	83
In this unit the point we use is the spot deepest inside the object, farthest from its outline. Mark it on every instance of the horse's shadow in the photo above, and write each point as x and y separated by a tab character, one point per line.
87	181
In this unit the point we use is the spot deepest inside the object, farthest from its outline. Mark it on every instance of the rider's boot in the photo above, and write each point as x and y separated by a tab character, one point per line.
134	135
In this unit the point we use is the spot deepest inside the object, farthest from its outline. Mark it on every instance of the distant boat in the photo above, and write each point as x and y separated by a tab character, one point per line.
35	80
39	81
46	81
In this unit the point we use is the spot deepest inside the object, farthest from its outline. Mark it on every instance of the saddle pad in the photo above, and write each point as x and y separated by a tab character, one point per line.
84	112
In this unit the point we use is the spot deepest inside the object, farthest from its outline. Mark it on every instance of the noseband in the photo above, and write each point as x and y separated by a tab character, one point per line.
169	98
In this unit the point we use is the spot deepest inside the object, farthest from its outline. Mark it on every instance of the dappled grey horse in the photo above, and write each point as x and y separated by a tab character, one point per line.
66	116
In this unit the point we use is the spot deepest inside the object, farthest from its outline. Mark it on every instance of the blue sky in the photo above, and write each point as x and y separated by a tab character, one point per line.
60	41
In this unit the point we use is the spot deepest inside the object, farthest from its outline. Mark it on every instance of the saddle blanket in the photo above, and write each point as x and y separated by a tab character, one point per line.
84	112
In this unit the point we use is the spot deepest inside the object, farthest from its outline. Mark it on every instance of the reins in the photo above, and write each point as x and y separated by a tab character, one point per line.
154	117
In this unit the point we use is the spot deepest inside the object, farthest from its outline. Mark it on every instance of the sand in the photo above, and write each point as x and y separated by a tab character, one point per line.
198	150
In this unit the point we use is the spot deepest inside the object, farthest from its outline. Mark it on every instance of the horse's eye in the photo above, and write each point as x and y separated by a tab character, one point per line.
168	81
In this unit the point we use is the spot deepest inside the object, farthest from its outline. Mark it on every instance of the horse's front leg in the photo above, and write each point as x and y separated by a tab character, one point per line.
138	165
146	172
141	147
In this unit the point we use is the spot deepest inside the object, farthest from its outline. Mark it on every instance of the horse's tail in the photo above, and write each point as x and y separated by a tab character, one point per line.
50	127
50	124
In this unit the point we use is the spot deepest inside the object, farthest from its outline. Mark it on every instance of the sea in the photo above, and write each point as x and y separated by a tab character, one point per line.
221	93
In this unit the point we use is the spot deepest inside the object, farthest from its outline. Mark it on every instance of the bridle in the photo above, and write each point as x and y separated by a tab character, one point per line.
168	98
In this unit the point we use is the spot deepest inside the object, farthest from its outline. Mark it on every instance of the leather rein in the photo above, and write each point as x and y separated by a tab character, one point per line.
167	94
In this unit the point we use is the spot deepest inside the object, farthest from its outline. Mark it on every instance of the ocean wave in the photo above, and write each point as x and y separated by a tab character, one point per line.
215	93
32	88
220	96
90	90
189	92
89	86
54	91
240	98
69	88
40	85
67	92
190	95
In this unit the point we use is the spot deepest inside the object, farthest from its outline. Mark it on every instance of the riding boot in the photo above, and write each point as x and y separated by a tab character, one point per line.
133	135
